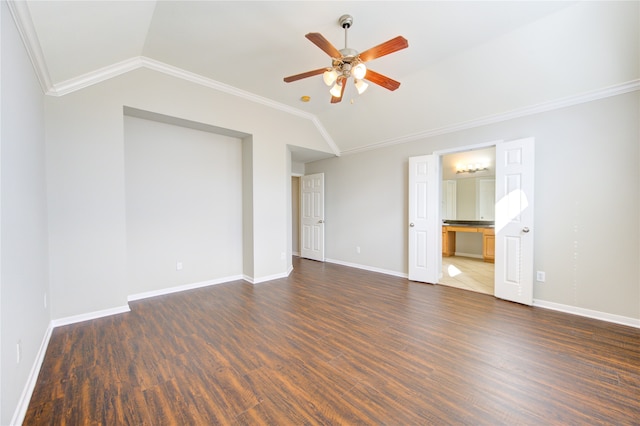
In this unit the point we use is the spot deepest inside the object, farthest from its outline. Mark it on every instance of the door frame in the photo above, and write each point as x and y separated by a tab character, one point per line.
297	206
439	154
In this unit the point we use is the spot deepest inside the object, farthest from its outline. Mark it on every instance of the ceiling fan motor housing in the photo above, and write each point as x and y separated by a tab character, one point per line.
348	53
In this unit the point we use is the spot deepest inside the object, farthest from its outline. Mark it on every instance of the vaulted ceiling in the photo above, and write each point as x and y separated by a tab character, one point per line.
465	60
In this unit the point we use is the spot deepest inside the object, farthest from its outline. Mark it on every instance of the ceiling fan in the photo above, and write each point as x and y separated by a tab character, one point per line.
348	62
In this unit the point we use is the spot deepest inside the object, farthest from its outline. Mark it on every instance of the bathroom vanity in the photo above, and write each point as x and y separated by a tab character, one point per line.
451	227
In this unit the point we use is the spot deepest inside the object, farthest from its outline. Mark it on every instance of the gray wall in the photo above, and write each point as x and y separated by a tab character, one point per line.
86	181
23	226
70	242
183	204
64	224
587	227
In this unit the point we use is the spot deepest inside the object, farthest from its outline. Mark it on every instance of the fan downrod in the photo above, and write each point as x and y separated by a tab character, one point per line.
345	22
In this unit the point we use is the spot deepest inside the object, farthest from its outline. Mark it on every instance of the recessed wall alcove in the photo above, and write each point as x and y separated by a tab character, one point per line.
188	202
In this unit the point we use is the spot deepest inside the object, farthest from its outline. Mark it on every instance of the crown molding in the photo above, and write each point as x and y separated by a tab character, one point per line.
326	136
105	73
20	13
22	18
216	85
164	68
568	101
94	77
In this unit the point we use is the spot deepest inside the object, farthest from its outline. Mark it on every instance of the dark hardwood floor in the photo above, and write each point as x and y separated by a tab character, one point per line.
333	345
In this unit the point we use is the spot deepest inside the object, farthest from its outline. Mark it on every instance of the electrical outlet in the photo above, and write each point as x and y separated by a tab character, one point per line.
19	352
358	249
540	276
179	266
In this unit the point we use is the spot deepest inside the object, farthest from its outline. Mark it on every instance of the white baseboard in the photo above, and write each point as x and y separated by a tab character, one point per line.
89	316
475	256
177	289
368	268
25	397
603	316
269	277
617	319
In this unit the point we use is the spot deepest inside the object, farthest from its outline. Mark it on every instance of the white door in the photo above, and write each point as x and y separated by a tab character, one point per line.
312	216
514	221
424	229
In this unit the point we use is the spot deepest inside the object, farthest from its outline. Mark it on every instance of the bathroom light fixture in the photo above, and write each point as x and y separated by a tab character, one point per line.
471	168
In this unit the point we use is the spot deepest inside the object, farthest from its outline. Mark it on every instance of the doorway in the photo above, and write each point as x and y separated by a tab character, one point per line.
468	217
312	216
307	216
509	242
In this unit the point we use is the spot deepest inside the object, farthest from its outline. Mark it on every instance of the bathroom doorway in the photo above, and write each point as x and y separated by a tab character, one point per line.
468	214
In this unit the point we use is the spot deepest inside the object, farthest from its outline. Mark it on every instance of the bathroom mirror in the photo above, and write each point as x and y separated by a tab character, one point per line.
468	185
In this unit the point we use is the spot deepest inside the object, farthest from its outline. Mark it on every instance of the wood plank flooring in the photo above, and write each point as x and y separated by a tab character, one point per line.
332	345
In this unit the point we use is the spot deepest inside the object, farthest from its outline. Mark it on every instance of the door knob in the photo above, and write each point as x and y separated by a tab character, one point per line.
321	221
525	229
411	224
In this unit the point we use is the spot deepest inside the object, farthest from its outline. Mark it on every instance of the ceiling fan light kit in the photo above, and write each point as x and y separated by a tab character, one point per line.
361	86
336	90
346	63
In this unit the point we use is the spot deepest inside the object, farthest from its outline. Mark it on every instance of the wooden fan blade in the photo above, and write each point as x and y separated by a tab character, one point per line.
324	44
304	75
381	80
335	100
385	48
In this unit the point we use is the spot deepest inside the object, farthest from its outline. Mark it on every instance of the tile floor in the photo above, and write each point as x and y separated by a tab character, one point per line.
468	273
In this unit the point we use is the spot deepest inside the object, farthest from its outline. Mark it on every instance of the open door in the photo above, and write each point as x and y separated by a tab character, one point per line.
514	221
424	229
312	217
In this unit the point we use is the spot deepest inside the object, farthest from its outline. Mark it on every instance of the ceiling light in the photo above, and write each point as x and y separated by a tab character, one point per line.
361	86
330	76
359	71
336	90
341	71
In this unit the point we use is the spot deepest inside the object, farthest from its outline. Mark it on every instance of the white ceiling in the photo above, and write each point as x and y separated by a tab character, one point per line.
252	45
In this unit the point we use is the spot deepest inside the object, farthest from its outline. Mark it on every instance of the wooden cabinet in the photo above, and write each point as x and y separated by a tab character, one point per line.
488	240
448	242
488	245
